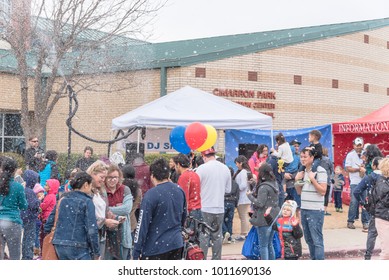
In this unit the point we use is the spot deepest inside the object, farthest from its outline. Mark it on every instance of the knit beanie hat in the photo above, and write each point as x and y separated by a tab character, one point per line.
38	188
291	204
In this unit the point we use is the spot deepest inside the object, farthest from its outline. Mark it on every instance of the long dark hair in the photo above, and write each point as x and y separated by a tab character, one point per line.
129	179
80	179
8	168
265	173
372	151
243	160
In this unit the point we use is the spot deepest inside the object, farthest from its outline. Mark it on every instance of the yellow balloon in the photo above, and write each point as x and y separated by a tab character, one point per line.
211	138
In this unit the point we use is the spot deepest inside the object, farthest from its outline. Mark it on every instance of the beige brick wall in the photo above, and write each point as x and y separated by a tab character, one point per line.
346	58
97	109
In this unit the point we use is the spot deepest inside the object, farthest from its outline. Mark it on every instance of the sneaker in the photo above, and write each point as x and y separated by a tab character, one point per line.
327	213
367	257
231	240
350	225
337	209
365	228
299	183
340	210
226	237
240	238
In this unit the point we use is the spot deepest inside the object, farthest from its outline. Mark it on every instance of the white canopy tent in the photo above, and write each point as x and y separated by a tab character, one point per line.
188	105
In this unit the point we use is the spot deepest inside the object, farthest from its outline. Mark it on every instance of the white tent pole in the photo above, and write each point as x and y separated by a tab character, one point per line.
137	142
271	137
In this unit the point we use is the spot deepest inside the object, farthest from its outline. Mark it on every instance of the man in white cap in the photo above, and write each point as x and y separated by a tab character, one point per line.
215	181
355	168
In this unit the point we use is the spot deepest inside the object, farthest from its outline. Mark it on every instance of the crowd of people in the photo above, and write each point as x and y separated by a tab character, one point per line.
111	210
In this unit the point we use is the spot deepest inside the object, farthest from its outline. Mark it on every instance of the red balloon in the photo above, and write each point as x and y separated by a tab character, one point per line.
195	135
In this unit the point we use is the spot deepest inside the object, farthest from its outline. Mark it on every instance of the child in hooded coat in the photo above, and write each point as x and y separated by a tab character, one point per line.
48	203
289	230
29	216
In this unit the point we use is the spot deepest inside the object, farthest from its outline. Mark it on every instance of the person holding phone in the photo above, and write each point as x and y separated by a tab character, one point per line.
120	200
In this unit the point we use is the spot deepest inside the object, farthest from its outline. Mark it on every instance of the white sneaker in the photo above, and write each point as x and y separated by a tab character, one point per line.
226	237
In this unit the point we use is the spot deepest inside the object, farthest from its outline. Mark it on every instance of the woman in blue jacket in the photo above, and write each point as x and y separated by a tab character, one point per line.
76	234
12	200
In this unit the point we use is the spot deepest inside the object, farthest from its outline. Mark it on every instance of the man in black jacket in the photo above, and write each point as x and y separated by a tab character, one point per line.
33	155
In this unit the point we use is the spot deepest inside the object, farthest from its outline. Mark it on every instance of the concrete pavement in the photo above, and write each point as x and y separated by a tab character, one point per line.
339	241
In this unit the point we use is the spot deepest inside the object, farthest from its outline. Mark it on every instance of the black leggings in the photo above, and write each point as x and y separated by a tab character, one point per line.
326	196
175	254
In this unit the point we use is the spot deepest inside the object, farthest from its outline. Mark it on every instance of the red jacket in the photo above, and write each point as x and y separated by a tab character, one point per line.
189	181
50	199
142	175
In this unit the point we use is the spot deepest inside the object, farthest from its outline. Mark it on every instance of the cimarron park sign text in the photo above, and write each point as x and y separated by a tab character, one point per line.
252	96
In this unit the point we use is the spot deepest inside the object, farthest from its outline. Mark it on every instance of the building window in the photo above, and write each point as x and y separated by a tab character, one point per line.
335	83
11	133
297	79
200	72
5	10
366	39
366	87
253	76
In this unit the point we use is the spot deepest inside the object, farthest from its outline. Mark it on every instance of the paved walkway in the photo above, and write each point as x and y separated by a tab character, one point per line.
339	241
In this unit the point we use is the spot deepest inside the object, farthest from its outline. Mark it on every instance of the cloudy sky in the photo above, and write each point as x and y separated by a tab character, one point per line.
190	19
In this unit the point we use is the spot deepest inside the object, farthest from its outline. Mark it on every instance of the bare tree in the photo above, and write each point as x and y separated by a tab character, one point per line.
55	43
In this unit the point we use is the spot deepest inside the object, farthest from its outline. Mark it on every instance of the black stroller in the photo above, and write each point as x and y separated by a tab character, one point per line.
192	231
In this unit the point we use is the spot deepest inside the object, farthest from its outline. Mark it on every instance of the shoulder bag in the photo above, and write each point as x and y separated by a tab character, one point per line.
48	250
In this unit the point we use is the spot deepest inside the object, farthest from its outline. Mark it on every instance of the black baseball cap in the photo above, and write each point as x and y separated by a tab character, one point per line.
295	141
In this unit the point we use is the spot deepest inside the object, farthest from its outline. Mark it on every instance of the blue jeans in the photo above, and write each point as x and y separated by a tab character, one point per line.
29	232
312	222
338	199
265	240
37	243
353	209
229	209
281	195
72	253
293	195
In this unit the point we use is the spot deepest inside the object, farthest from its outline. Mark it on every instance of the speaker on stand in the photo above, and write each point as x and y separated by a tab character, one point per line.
247	149
131	151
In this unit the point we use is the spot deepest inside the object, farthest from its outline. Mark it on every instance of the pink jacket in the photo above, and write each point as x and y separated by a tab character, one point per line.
50	199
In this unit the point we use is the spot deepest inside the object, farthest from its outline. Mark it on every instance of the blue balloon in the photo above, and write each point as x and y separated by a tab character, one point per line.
177	139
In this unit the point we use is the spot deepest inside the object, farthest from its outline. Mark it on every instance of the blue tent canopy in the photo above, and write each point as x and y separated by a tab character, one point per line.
235	137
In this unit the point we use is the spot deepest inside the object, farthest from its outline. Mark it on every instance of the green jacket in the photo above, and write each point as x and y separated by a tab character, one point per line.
11	204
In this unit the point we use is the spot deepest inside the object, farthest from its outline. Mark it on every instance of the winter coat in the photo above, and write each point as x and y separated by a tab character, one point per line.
76	225
124	209
366	184
83	163
382	198
142	175
50	199
162	216
290	236
265	196
293	167
50	171
31	214
32	162
13	202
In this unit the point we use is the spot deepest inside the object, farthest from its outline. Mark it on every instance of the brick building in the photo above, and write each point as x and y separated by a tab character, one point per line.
302	77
